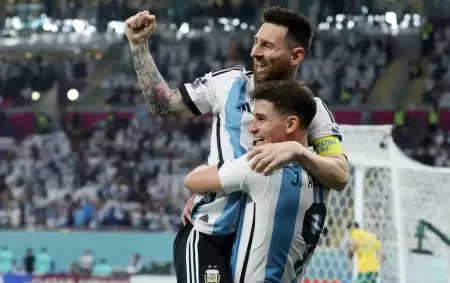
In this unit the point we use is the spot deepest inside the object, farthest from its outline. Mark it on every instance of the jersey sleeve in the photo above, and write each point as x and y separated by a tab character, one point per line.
199	96
236	175
232	174
323	124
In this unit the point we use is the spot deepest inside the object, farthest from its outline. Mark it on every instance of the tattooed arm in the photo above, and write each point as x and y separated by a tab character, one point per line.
162	101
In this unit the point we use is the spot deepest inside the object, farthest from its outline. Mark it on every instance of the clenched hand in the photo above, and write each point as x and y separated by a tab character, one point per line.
139	27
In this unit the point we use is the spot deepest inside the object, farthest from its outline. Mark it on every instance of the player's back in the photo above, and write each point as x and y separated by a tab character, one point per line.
367	248
286	212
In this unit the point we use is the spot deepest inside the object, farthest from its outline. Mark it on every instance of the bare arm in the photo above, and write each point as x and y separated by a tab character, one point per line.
162	101
232	176
205	180
331	170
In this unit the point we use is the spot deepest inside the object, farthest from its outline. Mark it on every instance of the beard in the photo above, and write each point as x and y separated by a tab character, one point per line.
276	70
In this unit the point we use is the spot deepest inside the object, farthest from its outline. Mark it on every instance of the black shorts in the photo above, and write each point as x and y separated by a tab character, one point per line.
201	258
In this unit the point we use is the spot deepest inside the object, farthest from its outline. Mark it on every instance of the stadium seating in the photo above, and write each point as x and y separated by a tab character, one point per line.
437	71
26	77
131	167
338	72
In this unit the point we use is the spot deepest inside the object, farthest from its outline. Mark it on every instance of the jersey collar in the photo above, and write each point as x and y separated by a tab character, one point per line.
250	84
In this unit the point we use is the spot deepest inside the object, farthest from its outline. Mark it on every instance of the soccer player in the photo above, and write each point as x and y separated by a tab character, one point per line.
367	249
288	206
280	46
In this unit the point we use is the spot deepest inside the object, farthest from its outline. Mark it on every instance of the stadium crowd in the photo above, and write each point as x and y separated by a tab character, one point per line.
119	174
23	74
438	87
41	262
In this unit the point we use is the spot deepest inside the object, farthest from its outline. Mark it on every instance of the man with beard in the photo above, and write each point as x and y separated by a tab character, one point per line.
203	249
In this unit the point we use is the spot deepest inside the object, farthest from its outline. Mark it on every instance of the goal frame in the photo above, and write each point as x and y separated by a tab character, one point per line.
380	150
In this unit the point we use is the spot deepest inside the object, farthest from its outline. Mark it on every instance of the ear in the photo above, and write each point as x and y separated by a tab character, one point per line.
297	56
292	123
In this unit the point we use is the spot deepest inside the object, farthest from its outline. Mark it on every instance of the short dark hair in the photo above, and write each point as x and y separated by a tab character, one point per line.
298	27
289	97
353	225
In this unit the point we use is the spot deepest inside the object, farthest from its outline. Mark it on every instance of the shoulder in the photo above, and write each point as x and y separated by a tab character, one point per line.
317	99
323	118
319	102
221	77
354	234
235	71
323	113
224	81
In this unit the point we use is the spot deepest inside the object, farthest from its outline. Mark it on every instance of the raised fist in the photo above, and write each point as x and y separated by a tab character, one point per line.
139	27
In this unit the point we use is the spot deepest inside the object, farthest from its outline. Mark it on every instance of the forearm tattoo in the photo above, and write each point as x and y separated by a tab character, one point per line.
153	86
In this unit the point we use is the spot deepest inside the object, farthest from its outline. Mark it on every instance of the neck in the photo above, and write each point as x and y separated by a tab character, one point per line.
292	76
289	76
300	137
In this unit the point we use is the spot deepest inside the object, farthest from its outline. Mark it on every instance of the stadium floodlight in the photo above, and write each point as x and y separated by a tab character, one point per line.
184	28
35	95
73	94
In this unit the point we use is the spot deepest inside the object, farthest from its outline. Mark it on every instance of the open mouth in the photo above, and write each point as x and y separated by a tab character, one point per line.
261	67
257	140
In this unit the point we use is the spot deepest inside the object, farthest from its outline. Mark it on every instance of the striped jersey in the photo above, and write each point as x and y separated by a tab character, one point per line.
224	94
283	221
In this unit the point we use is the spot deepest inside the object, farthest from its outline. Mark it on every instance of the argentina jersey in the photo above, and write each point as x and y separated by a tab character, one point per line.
282	223
224	94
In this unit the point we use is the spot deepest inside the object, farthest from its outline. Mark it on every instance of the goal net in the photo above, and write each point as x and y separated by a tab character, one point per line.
388	195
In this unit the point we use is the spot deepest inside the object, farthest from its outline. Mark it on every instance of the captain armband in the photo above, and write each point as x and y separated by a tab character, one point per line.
328	146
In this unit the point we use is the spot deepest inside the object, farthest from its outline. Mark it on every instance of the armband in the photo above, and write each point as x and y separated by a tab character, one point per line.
327	146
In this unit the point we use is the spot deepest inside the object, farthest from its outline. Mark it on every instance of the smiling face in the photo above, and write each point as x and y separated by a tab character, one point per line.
271	54
270	126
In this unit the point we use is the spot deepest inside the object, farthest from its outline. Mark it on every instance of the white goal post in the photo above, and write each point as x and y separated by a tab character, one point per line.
388	194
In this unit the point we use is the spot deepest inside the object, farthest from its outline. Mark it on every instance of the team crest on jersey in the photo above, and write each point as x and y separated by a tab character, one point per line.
212	275
199	81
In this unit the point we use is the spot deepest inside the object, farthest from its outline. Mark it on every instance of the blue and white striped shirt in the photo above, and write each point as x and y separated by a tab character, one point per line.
224	94
281	225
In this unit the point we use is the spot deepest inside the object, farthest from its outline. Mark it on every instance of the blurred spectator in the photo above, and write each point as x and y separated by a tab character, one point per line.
43	262
424	142
87	261
136	265
29	261
102	269
6	260
438	86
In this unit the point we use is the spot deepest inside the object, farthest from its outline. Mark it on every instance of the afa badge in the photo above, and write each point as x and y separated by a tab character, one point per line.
212	275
